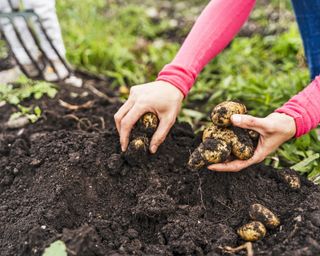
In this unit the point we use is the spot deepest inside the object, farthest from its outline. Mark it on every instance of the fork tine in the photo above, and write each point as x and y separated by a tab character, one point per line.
40	48
21	66
21	41
64	62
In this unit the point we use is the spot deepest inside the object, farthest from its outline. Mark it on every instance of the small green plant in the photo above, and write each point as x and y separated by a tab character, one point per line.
25	88
33	114
57	248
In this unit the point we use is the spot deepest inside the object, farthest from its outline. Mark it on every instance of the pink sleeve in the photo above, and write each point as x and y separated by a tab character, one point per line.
219	22
304	108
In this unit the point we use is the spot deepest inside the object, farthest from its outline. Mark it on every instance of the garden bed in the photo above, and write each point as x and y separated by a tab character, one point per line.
64	178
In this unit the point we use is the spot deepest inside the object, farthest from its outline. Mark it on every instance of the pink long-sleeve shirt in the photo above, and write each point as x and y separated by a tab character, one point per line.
219	22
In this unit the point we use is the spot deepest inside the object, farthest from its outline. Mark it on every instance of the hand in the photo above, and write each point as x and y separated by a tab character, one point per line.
158	97
274	130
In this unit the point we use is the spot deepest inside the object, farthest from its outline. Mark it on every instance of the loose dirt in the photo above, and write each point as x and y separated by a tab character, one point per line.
65	178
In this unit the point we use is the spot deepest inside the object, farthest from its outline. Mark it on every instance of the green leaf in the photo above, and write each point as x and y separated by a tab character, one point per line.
57	248
304	163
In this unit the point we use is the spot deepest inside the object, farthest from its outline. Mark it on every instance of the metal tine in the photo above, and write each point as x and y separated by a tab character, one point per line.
43	52
15	57
64	62
34	62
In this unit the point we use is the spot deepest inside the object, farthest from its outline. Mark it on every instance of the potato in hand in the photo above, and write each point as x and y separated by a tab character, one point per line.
241	141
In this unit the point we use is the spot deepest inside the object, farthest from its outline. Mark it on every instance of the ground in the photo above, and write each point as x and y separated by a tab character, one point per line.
65	178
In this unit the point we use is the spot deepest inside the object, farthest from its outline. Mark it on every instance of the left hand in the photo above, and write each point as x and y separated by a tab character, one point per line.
274	130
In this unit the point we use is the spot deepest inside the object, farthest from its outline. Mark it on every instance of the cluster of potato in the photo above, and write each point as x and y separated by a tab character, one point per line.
221	140
262	218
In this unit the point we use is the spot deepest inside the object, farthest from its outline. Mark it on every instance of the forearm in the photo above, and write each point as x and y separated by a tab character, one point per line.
214	29
304	108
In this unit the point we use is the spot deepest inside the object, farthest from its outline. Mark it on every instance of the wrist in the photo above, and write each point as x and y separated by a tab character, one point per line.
287	124
174	91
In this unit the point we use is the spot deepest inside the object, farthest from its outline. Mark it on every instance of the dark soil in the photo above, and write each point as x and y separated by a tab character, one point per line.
65	178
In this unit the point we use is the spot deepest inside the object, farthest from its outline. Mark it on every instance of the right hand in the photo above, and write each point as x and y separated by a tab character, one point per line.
160	98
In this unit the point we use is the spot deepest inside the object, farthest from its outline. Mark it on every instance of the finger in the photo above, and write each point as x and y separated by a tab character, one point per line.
238	165
248	122
161	133
122	111
233	166
127	124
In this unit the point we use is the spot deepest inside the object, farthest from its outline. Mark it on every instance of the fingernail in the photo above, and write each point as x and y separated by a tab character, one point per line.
236	118
153	149
123	149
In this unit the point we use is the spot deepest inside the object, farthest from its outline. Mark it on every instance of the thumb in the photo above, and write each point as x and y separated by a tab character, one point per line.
248	122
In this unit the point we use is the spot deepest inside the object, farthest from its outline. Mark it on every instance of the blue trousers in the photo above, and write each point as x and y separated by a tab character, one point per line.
308	18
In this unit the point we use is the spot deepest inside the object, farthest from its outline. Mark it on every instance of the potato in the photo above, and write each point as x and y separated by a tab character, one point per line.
196	161
252	231
216	132
239	139
137	152
291	178
210	151
139	144
215	151
150	120
242	146
253	134
260	213
222	113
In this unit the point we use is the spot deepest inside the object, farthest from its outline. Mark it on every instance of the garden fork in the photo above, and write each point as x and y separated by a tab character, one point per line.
31	18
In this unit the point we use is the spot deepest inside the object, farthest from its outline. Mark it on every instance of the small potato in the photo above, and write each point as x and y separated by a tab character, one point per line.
215	132
196	161
210	151
215	151
291	178
260	213
222	113
252	231
139	144
253	134
150	120
242	146
137	152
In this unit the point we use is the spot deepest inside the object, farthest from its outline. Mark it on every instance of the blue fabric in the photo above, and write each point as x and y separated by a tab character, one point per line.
308	18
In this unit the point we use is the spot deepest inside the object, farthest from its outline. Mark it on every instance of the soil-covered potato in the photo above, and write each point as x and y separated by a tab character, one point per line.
291	178
139	144
137	151
242	146
252	231
222	113
211	151
260	213
239	139
150	120
253	134
215	132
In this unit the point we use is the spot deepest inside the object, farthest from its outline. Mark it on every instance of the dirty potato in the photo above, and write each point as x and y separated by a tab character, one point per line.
211	151
215	132
260	213
291	178
139	144
222	113
149	120
242	146
252	231
239	139
253	134
215	151
196	161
